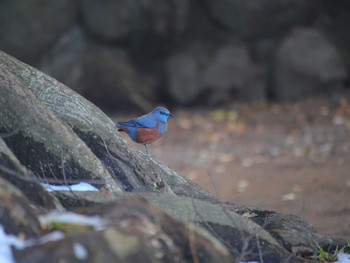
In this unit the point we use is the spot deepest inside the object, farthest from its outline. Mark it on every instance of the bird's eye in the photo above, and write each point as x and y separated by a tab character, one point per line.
162	112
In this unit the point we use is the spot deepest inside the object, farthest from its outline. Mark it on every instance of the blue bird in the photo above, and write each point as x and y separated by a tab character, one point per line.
147	128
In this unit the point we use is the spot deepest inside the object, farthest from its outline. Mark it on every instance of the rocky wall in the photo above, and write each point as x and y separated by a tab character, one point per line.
133	54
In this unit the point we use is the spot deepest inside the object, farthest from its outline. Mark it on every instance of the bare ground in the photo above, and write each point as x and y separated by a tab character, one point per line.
287	157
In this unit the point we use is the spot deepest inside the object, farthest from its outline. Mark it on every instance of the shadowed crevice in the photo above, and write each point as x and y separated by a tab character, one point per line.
110	160
27	185
241	244
45	165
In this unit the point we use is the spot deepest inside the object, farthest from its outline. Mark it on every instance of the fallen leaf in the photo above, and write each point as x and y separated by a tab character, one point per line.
238	127
297	188
347	123
232	115
184	123
192	175
220	169
215	137
247	162
289	197
324	111
338	120
219	115
227	157
242	185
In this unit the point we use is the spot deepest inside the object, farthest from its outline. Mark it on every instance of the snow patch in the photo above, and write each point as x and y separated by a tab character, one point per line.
343	258
82	187
96	222
8	241
80	252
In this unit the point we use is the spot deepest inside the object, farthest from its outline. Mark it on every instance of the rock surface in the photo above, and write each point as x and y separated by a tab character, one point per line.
28	28
251	20
305	63
144	211
15	173
136	232
118	20
17	217
215	75
110	47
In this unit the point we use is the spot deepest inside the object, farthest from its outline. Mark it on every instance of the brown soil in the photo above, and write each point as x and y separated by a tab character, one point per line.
289	157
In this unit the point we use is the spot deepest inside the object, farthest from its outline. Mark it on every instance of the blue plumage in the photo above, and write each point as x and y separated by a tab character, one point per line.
147	128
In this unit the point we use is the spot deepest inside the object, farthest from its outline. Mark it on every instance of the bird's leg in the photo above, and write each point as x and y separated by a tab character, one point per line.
145	145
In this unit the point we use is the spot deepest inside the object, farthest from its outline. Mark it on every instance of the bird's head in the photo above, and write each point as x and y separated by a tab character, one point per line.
162	114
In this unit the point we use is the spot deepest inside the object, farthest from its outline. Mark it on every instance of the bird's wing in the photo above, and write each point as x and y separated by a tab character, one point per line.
134	123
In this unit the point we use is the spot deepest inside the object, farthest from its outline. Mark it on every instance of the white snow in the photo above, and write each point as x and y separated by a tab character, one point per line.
80	251
7	241
343	258
96	222
82	186
50	237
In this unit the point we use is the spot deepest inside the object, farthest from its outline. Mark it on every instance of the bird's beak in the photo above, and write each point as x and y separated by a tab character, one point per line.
171	115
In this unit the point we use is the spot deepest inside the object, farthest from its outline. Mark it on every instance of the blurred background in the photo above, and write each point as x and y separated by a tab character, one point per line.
259	88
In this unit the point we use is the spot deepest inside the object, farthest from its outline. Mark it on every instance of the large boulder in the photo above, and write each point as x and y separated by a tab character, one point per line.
40	140
64	60
30	27
215	75
334	23
17	216
234	71
147	25
112	80
135	232
143	211
263	18
183	78
69	138
306	63
15	173
247	233
107	76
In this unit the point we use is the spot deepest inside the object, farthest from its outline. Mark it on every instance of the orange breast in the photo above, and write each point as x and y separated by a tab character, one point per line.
147	135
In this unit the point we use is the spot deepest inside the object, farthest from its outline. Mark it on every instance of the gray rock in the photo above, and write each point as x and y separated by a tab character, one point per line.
102	74
54	131
17	216
183	78
215	75
117	20
42	143
306	63
70	138
64	60
136	232
15	173
262	18
112	80
289	230
30	27
232	70
246	232
334	22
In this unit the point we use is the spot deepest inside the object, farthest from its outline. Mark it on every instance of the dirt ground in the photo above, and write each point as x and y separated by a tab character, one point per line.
287	157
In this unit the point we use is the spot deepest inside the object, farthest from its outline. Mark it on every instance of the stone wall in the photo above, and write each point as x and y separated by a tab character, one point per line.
135	53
